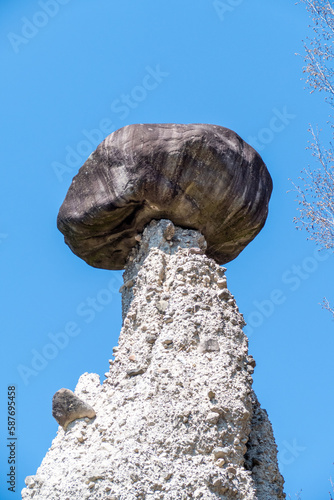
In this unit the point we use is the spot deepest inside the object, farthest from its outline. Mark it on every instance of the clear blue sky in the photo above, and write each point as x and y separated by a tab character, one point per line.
72	73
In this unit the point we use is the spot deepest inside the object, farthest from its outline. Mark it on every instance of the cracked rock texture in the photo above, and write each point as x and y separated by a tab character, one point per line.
176	416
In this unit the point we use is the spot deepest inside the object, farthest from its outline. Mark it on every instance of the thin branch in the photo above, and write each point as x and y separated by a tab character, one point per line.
326	305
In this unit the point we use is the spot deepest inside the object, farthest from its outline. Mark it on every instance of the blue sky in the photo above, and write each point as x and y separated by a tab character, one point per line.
72	73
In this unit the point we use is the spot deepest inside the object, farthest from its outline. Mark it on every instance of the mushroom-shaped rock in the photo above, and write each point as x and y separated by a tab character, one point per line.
66	407
199	176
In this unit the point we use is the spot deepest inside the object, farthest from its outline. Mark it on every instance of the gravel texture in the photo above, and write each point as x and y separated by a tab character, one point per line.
176	416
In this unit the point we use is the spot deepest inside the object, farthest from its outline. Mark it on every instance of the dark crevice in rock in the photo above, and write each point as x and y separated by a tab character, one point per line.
261	455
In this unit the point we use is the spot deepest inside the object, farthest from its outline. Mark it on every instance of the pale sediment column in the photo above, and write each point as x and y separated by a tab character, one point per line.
176	417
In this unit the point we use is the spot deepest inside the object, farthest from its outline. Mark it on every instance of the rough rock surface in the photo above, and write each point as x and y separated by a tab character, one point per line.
66	407
199	176
176	417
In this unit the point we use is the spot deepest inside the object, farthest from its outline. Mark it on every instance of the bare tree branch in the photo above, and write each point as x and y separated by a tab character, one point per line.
325	305
319	52
315	194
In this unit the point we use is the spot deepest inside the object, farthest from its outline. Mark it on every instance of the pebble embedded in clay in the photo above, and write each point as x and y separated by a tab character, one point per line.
66	407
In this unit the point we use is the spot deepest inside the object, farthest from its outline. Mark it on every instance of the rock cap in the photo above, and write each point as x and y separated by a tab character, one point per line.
199	176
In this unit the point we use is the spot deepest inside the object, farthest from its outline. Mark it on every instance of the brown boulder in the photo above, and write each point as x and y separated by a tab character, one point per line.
199	176
66	407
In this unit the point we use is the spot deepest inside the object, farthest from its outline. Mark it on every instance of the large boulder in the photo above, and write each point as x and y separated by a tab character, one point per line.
199	176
